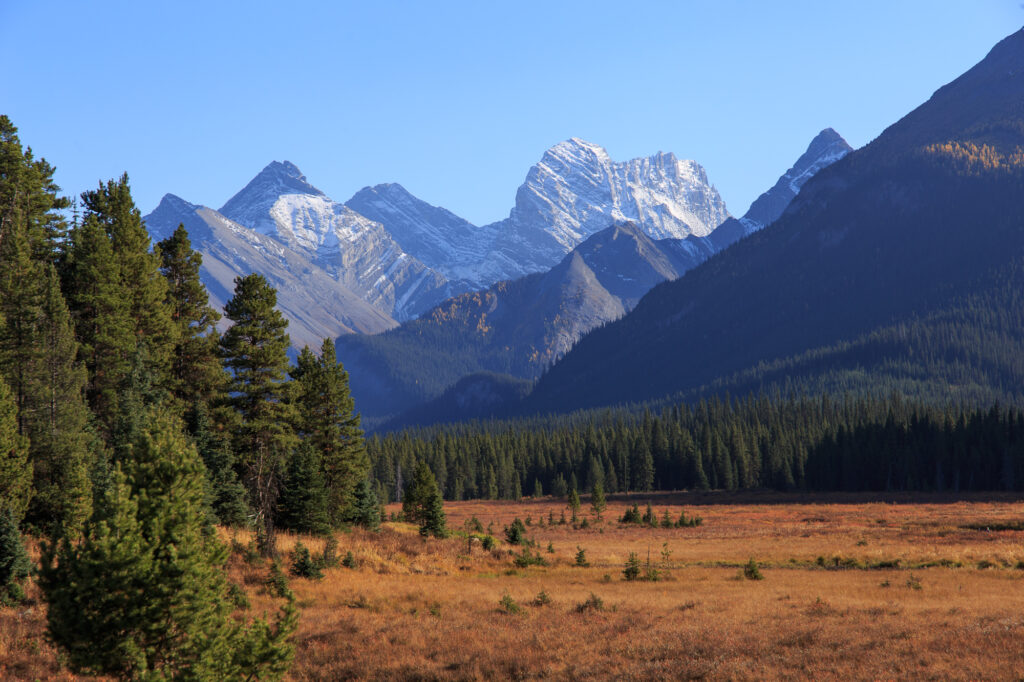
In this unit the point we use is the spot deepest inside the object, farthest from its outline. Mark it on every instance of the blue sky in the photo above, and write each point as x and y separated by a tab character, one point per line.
455	100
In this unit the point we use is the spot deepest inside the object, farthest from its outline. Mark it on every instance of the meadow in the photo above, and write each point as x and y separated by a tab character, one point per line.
852	586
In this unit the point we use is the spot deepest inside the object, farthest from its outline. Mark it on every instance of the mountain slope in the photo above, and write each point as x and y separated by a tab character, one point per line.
893	264
279	202
315	303
515	327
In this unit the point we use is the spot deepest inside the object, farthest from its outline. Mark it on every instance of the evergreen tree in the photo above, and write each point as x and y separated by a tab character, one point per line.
597	500
58	421
326	419
228	498
366	508
574	503
422	502
15	564
144	594
303	506
254	351
196	374
15	468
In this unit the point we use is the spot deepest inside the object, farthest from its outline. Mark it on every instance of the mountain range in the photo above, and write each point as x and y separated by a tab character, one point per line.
520	327
399	256
898	268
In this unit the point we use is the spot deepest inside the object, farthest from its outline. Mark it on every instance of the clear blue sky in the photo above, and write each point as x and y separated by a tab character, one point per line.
455	100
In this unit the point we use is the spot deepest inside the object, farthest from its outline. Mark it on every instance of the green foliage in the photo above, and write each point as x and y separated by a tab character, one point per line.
487	542
581	557
196	376
574	503
542	599
688	522
303	565
254	351
228	499
365	510
349	561
329	556
15	468
597	499
303	505
592	603
327	420
527	558
15	565
632	568
631	515
751	570
144	593
515	534
422	503
508	605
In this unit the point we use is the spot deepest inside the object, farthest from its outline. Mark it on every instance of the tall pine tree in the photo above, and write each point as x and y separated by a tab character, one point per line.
254	350
326	419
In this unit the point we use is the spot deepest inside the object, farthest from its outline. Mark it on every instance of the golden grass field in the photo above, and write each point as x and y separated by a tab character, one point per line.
416	609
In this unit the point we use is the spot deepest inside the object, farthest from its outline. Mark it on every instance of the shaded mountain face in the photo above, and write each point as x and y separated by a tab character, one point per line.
515	327
316	304
897	267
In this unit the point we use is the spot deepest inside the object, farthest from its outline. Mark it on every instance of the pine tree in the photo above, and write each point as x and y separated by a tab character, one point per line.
58	424
196	374
434	522
254	351
302	506
422	503
15	565
15	468
366	509
144	595
597	500
228	498
326	419
574	503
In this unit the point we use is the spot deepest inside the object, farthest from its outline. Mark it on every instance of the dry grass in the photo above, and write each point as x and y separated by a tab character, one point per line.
430	609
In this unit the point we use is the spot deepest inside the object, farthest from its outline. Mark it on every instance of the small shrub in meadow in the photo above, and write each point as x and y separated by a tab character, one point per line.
277	583
913	582
515	534
527	558
593	603
751	571
649	519
666	520
691	522
349	561
329	557
551	548
632	569
473	525
542	599
303	565
631	515
585	524
508	605
237	596
529	520
581	557
248	552
487	542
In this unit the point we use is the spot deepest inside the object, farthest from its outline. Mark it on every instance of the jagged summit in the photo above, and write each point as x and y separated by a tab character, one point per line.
826	148
276	179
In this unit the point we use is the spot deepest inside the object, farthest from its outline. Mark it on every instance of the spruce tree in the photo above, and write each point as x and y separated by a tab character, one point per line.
196	374
228	498
422	503
15	565
254	350
597	500
574	503
326	418
302	506
366	508
59	421
144	594
15	468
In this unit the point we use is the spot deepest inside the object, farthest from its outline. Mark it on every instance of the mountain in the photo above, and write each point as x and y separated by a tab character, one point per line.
360	253
437	237
899	267
575	191
316	304
519	327
515	327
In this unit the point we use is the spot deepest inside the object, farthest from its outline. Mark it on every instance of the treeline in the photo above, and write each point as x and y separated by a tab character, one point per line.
98	331
768	441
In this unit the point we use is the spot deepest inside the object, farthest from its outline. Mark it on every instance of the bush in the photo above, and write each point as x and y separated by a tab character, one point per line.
581	557
508	605
329	557
691	522
542	599
593	603
527	558
632	515
303	565
487	542
15	565
277	583
632	569
349	561
751	571
473	525
516	533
